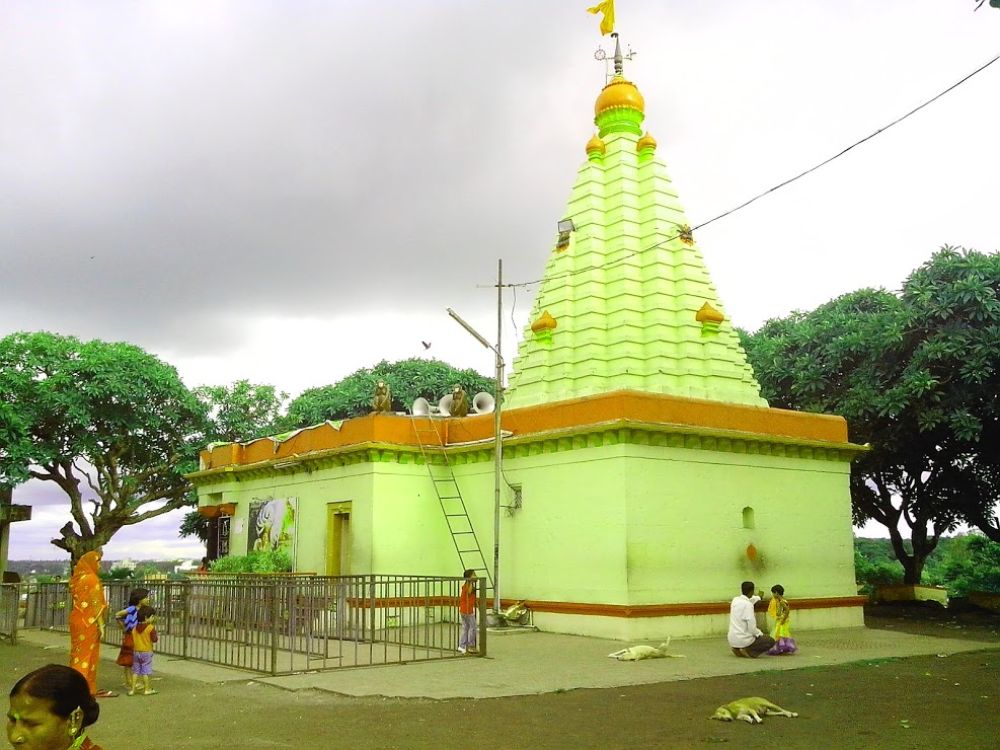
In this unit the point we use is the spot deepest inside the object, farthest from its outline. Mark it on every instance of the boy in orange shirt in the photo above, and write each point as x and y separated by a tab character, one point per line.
467	611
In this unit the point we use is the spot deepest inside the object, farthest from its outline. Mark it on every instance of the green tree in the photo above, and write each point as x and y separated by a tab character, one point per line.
242	411
915	375
15	441
952	343
971	564
111	425
194	524
236	413
408	379
873	570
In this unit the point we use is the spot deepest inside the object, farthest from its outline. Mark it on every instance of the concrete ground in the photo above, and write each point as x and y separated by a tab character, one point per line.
534	663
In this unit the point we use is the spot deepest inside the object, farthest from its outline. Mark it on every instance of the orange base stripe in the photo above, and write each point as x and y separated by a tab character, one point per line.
609	610
673	610
391	602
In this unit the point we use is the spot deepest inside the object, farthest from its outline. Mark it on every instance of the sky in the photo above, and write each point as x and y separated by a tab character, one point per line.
289	191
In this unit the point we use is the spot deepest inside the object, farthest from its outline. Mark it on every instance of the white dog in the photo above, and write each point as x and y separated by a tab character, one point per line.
750	710
635	653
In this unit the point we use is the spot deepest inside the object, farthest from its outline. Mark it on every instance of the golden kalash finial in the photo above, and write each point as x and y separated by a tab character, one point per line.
619	108
595	147
708	314
647	142
544	323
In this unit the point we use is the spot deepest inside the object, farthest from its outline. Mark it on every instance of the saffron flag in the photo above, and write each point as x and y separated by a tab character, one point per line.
607	9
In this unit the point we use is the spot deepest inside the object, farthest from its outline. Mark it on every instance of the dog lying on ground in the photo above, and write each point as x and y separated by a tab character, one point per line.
635	653
750	710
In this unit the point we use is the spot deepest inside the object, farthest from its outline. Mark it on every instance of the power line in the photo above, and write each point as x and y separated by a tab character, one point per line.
780	185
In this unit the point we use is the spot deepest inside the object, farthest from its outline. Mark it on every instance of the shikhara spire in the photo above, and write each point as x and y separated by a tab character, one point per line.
626	302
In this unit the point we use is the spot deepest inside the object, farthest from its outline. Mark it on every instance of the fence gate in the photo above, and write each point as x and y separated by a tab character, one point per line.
280	624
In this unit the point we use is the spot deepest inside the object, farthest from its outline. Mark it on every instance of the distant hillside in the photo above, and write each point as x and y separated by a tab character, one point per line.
61	567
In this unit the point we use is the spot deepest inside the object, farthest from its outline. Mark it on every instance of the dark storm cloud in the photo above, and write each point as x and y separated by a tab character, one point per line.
169	164
172	170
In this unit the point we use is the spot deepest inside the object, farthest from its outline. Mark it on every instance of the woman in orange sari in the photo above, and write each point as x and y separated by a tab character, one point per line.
86	620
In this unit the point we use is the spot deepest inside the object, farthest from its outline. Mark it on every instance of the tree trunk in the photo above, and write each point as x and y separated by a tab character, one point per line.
6	493
78	545
913	569
913	564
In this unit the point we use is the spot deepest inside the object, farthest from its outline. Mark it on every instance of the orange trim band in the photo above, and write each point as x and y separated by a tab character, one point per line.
672	610
608	610
628	406
403	601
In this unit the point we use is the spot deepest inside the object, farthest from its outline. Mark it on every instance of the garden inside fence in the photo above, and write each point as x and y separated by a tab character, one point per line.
282	624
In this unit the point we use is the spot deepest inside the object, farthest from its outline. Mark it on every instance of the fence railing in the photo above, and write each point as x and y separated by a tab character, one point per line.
284	624
10	603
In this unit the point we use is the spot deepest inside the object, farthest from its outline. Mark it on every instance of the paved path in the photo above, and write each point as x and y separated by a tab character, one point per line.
531	663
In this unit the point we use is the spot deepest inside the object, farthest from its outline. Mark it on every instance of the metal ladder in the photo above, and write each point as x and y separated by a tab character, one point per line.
470	554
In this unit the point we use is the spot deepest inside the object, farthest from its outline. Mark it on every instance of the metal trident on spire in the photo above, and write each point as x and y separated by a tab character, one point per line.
618	58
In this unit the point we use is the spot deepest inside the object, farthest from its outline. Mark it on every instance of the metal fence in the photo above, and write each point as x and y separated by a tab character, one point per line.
285	624
10	602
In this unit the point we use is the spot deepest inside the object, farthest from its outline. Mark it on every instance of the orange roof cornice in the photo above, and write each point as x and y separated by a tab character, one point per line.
645	411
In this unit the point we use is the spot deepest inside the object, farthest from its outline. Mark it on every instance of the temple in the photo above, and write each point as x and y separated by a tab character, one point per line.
645	477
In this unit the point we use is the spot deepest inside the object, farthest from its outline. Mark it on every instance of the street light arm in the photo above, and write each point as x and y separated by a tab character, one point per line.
475	334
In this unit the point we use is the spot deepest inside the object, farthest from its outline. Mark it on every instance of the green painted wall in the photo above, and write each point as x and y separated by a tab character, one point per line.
567	543
611	524
633	524
412	536
314	492
686	540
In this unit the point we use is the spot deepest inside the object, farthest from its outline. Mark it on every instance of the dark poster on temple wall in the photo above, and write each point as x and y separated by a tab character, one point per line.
223	548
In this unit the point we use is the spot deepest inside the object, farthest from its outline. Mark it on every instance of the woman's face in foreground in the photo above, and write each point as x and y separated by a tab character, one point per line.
32	725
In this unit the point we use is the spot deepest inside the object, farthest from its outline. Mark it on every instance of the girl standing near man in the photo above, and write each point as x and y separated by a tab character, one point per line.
779	610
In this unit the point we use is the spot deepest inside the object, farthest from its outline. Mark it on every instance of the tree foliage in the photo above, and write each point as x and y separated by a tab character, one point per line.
915	374
408	379
874	564
258	561
194	524
970	564
963	564
112	426
236	413
242	411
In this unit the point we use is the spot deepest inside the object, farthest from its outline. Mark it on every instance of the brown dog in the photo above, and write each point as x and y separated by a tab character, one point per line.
750	710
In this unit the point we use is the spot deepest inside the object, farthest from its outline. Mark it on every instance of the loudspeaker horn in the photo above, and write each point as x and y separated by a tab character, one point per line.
421	408
483	403
444	405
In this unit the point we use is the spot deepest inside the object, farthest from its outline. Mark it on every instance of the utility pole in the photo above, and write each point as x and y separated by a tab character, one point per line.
498	442
497	433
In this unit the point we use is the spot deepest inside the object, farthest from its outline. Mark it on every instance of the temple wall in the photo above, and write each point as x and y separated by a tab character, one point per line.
638	525
686	537
604	531
353	483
